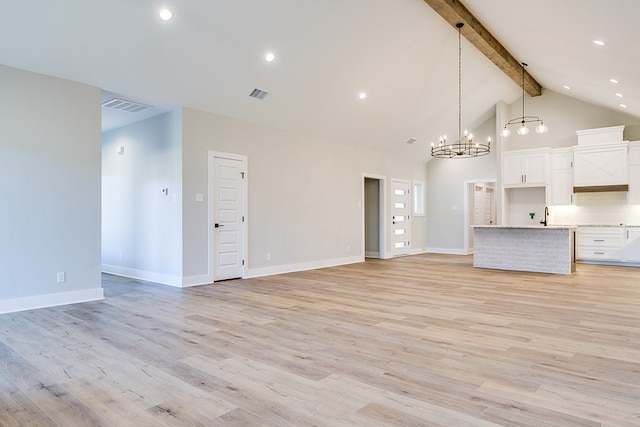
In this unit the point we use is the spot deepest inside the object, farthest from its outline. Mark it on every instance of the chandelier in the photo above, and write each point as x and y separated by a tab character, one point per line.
523	129
464	146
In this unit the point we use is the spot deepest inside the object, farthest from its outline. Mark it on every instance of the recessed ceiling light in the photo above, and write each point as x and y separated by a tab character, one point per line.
599	42
567	87
623	106
165	14
269	57
619	95
614	81
362	95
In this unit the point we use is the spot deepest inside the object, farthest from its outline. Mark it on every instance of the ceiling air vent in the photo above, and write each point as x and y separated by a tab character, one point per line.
258	94
124	105
410	140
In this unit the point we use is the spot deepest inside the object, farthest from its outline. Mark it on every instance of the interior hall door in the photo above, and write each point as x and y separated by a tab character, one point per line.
400	210
228	218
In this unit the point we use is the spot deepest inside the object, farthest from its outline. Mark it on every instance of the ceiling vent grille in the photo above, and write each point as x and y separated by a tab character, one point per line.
124	105
410	140
258	94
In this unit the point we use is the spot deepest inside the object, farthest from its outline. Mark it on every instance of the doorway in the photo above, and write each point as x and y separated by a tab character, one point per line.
227	204
480	208
373	212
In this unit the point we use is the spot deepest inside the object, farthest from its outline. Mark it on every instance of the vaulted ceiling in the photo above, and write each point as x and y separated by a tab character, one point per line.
402	53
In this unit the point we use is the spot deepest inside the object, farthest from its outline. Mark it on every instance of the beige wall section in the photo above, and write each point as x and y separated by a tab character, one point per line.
304	195
446	189
50	185
564	115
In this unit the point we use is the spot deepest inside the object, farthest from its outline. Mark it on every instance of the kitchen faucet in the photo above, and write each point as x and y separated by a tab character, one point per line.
546	214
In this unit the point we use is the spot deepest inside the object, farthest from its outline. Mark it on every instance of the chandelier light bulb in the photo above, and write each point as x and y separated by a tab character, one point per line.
505	132
541	128
523	130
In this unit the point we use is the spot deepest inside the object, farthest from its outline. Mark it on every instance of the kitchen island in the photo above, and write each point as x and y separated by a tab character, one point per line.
525	248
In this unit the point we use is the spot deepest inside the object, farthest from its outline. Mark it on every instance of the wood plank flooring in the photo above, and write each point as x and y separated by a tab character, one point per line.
423	340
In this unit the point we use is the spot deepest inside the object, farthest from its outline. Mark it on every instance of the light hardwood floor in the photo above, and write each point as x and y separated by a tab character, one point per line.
415	341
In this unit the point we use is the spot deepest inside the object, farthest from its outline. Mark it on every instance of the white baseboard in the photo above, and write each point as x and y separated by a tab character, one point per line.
371	254
50	300
450	251
418	251
149	276
290	268
203	279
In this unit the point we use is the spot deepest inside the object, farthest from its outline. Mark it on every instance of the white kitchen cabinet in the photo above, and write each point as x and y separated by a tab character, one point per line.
633	197
562	177
525	168
632	244
600	243
600	165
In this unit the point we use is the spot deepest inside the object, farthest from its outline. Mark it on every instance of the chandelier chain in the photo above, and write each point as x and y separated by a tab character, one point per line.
464	146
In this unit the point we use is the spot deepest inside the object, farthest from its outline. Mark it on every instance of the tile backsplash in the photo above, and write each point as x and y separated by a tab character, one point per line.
607	208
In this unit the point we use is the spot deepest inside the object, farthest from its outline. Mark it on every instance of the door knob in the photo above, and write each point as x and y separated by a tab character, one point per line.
216	225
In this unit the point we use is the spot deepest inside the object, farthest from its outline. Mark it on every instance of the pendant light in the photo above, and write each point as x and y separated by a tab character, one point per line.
523	120
464	146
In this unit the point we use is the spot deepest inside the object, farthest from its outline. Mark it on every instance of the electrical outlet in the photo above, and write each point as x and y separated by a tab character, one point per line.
268	256
348	248
61	276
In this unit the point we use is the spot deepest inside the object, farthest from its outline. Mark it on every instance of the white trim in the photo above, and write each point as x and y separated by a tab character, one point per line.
200	280
148	276
450	251
418	251
50	300
245	206
303	266
382	201
371	254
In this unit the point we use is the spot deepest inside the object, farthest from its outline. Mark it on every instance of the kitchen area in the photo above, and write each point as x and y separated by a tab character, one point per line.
562	205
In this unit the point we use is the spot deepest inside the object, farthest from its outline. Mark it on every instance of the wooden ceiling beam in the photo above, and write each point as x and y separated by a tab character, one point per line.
454	12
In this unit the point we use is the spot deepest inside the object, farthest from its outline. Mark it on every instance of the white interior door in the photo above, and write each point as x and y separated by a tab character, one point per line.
228	218
400	224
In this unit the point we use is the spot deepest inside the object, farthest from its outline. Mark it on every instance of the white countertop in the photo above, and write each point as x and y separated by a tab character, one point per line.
608	225
535	227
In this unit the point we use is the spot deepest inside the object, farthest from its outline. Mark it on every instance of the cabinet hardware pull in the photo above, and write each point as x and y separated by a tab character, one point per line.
598	240
598	253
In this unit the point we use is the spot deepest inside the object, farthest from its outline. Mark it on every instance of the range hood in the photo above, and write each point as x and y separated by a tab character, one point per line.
600	188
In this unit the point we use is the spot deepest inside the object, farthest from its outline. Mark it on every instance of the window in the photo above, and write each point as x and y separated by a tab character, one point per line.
418	198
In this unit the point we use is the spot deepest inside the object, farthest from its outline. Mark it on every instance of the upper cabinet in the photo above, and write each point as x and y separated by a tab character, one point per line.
633	197
600	159
525	168
562	177
602	165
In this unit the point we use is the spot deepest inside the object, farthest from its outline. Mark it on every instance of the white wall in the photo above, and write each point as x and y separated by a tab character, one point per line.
50	186
304	196
141	225
446	190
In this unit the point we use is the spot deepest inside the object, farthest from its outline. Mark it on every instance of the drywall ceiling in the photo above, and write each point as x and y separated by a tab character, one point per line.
210	57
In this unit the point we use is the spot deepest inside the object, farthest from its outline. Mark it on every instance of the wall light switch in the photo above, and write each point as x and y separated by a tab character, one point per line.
199	197
61	276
